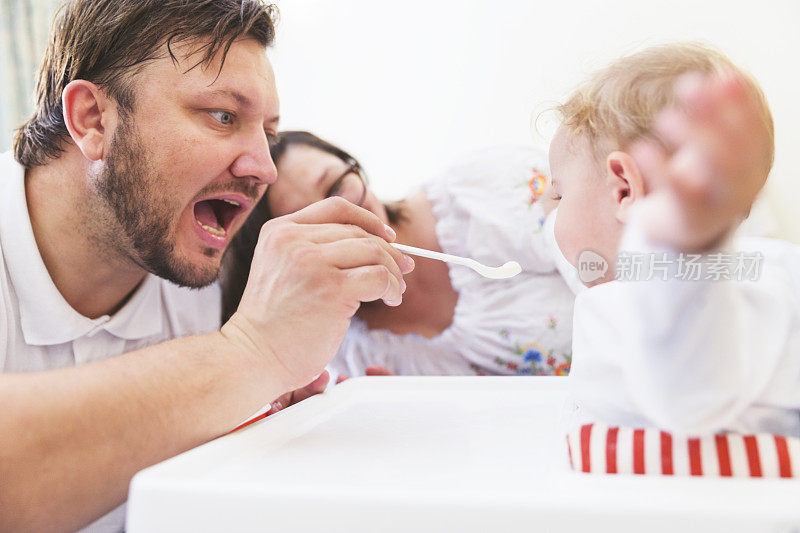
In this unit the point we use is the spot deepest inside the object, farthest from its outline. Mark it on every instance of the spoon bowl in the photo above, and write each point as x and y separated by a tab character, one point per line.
507	270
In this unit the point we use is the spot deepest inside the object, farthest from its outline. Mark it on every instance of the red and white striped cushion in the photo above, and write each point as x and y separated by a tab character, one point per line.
597	448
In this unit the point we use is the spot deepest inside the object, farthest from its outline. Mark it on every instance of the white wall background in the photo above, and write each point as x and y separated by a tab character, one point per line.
410	86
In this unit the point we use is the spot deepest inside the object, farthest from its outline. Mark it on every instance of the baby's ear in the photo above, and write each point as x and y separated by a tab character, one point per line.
626	182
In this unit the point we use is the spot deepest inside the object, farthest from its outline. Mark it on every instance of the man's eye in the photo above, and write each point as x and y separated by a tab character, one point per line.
223	117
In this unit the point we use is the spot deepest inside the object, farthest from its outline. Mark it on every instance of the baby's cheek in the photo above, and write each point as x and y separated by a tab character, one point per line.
564	234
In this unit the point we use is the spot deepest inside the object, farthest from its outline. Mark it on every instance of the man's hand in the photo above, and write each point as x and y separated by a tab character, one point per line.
290	398
318	386
713	159
311	270
376	370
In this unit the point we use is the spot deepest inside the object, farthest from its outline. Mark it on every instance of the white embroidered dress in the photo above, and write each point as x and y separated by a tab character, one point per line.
488	208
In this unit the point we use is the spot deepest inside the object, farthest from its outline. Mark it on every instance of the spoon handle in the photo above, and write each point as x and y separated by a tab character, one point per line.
508	270
431	254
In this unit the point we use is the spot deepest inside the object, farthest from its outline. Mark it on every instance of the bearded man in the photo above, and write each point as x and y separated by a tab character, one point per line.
147	149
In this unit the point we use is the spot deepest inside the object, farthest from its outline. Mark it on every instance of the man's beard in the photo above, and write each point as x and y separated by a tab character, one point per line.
128	185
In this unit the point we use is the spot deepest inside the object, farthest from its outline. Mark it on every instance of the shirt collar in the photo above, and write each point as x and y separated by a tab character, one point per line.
45	316
142	314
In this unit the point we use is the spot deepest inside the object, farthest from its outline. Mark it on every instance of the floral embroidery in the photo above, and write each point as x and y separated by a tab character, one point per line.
534	189
537	184
532	352
532	358
478	370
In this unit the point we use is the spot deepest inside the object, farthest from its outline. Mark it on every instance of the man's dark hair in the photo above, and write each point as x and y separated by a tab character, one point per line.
106	42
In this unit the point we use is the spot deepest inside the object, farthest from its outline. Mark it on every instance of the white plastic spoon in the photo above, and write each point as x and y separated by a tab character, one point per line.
508	270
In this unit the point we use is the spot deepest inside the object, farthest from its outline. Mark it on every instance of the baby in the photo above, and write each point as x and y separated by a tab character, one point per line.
684	328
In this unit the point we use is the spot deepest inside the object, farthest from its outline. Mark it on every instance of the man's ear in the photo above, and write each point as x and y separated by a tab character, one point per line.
626	182
85	107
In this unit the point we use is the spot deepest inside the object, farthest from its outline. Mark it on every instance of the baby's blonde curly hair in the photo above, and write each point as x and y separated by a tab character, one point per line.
617	104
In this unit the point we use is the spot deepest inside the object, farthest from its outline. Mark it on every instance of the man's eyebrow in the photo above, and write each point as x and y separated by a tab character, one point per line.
240	98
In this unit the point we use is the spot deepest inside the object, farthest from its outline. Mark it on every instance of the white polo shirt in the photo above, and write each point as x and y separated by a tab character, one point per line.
40	331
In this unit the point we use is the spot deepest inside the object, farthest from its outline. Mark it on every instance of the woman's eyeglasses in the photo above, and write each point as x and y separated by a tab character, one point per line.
352	185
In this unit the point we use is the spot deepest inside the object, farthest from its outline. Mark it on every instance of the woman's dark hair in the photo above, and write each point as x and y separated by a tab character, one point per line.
286	139
235	266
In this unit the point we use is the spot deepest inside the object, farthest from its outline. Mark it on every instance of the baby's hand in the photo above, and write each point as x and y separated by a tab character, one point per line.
714	159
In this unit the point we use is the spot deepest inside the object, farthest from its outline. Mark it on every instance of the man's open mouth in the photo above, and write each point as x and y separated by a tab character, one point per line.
216	215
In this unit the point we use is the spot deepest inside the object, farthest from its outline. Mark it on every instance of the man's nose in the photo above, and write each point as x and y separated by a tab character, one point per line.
255	161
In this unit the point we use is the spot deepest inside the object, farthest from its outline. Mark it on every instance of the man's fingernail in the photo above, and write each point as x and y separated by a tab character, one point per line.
409	263
394	303
390	232
403	285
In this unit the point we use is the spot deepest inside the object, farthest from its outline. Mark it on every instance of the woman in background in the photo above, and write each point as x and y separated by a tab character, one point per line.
452	321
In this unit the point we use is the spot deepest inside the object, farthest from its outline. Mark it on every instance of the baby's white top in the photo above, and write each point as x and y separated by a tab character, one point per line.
487	207
692	355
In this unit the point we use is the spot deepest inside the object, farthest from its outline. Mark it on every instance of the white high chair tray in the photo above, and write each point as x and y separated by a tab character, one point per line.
462	454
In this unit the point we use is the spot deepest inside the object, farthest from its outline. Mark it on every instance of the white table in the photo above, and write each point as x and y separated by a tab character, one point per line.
432	454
